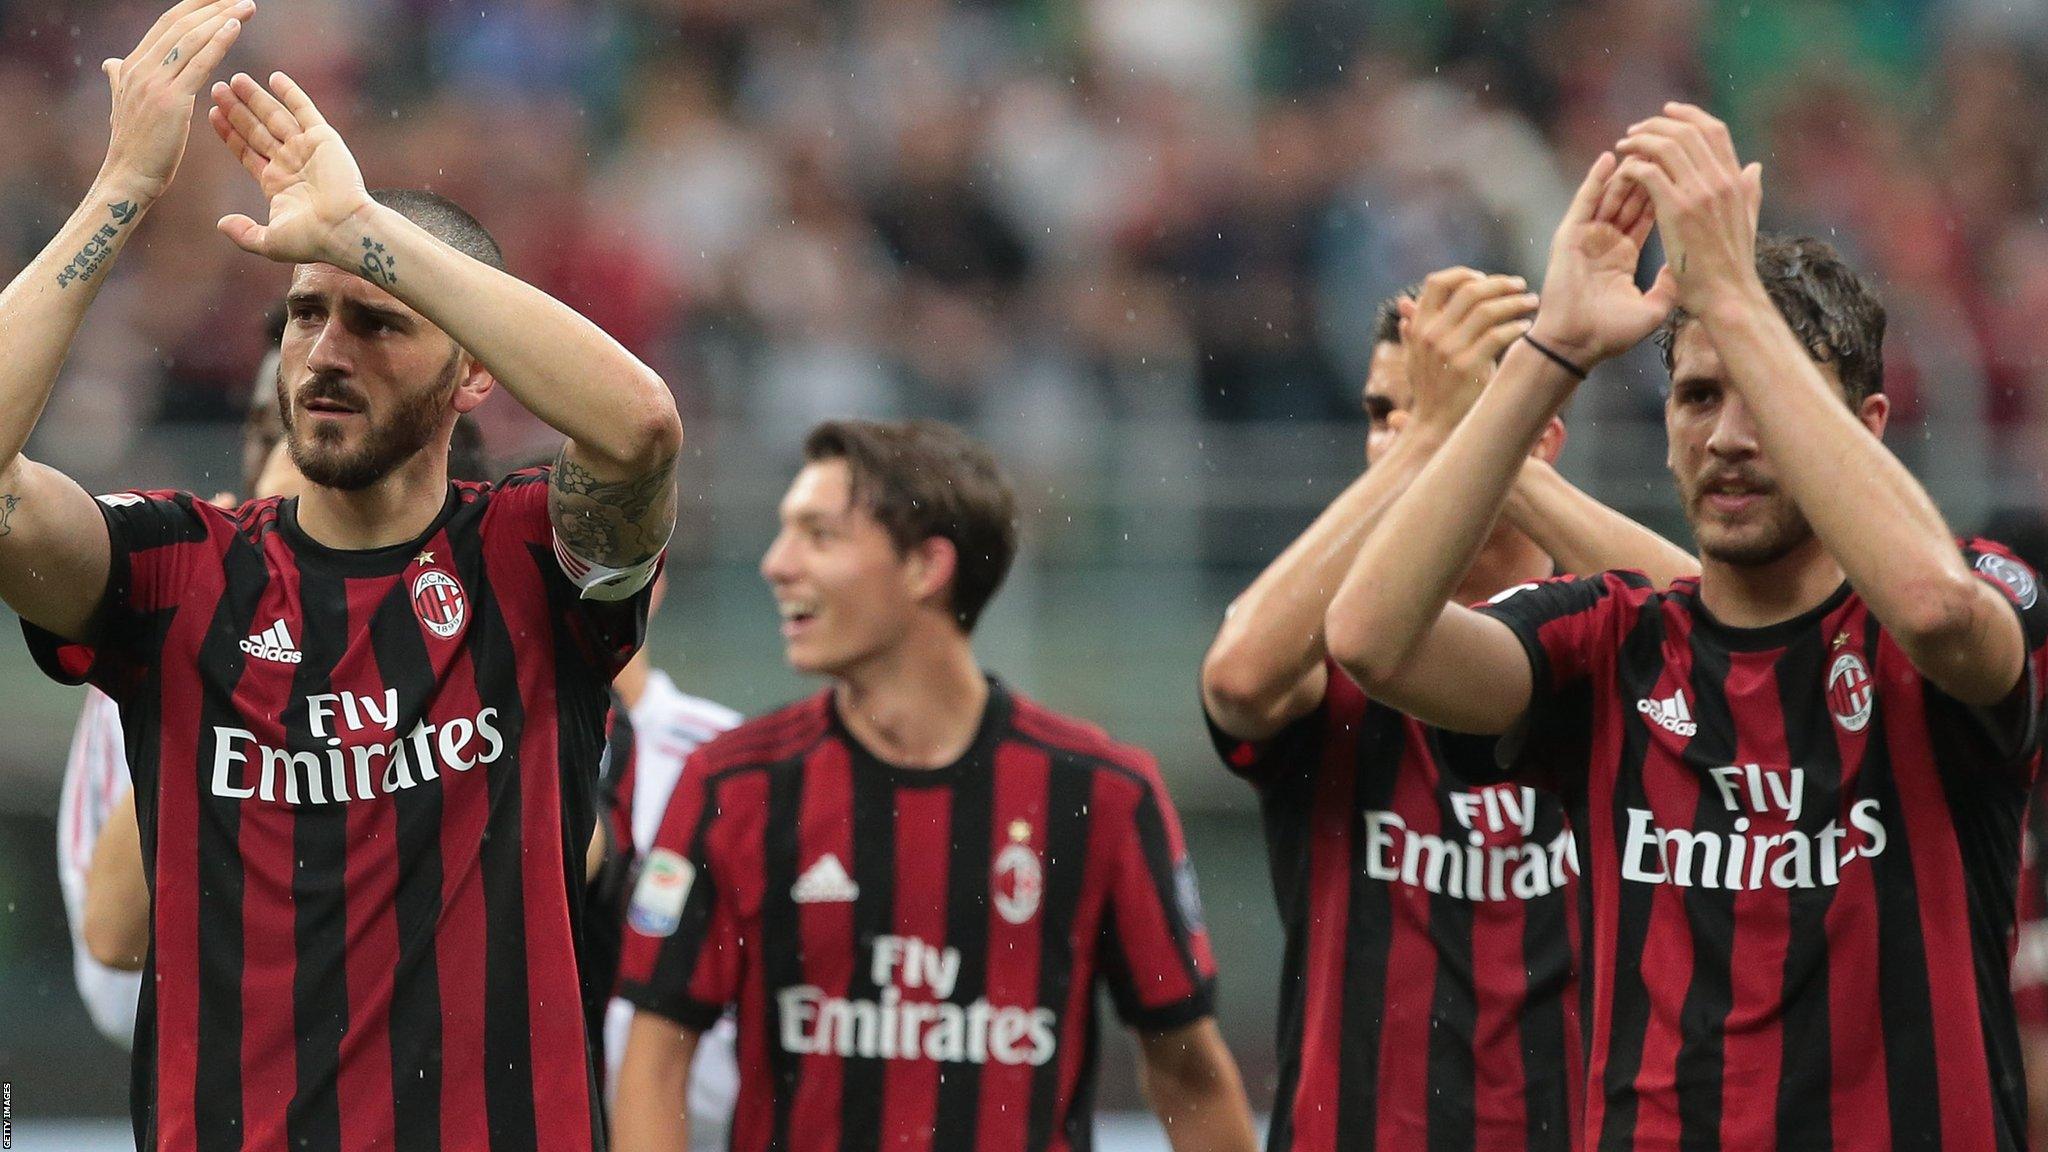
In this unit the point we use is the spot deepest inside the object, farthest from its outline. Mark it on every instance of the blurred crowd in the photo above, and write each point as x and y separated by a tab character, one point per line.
1038	216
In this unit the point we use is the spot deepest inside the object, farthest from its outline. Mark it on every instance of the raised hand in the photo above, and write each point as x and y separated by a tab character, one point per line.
1706	201
1592	308
1453	332
313	184
155	87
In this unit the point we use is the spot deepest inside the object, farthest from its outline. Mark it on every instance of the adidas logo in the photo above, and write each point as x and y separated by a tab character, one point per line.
825	882
273	644
1671	715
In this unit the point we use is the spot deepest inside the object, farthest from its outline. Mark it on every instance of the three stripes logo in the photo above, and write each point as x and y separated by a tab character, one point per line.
1670	713
273	644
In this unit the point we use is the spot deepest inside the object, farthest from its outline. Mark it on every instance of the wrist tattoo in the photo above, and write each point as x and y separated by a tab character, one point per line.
99	247
8	502
379	267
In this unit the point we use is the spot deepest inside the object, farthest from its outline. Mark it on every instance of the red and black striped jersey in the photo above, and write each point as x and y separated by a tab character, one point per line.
2030	933
365	782
915	954
1800	860
1426	991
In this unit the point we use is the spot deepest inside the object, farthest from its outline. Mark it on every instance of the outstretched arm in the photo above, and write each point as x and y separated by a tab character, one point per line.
1388	625
1265	669
613	493
1585	536
1869	512
53	545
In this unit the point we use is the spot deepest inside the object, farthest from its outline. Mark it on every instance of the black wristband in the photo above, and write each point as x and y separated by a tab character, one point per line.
1554	357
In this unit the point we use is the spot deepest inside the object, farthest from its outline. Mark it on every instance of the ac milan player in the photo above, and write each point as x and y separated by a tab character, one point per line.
99	845
1426	993
363	723
1797	781
912	884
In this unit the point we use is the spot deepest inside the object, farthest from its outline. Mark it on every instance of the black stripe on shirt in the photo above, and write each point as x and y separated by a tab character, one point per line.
403	664
319	872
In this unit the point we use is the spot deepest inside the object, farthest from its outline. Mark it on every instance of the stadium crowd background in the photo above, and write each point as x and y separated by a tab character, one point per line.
1136	244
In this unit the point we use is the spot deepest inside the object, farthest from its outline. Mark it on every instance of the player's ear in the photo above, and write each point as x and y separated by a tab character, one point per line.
930	566
1876	413
473	384
1550	444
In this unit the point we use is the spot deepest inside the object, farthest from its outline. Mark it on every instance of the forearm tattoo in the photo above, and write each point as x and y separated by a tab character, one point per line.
616	523
98	248
379	267
8	502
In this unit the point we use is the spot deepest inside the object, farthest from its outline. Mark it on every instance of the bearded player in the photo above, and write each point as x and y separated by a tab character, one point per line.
363	723
1427	998
1797	781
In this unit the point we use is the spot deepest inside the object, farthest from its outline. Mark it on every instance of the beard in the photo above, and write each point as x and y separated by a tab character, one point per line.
323	456
1780	532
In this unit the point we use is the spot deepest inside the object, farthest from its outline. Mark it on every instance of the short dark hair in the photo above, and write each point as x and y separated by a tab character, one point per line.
466	458
922	478
444	220
1386	328
1829	305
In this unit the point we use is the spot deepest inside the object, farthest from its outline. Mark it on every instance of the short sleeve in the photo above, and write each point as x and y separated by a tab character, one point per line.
149	558
2014	724
1289	755
1568	629
1158	961
683	954
607	630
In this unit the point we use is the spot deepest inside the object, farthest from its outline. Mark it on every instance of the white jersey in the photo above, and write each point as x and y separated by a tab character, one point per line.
668	724
95	775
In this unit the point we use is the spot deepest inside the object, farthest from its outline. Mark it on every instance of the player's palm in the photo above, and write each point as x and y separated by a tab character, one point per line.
314	186
301	163
1592	307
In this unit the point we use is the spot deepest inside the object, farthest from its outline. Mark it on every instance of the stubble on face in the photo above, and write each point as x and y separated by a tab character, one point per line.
322	454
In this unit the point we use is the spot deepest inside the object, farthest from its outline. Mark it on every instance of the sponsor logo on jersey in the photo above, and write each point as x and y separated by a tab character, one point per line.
438	601
1751	856
1670	713
658	899
913	1015
120	499
274	644
360	753
2013	575
1851	693
1496	858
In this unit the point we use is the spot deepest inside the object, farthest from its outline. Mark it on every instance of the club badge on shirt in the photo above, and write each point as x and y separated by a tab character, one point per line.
438	601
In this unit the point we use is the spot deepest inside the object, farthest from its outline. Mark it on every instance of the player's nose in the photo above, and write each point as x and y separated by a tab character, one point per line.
1734	432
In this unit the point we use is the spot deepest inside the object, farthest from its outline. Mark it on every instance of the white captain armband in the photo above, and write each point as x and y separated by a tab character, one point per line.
601	583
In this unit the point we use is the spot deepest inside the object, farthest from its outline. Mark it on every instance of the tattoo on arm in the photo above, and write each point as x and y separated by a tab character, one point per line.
616	523
379	267
8	502
99	247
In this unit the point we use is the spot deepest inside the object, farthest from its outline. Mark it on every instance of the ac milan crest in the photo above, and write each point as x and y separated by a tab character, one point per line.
1018	882
439	602
1851	694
